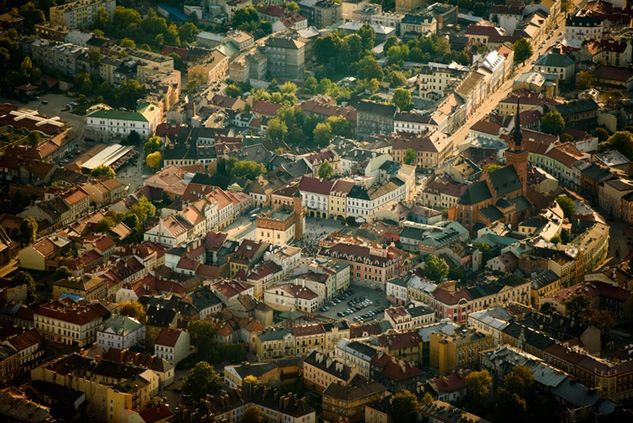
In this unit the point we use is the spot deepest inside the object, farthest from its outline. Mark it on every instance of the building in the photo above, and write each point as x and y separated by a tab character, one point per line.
116	124
557	64
579	29
114	391
120	332
431	148
374	118
457	351
287	297
402	319
69	322
80	14
321	13
347	401
286	57
416	25
320	370
172	345
442	412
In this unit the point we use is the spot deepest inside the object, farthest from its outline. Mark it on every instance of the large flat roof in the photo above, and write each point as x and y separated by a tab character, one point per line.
107	156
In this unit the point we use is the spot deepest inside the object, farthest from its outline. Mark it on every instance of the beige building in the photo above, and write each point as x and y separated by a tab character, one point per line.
81	13
319	370
347	401
431	149
286	57
115	392
68	322
460	350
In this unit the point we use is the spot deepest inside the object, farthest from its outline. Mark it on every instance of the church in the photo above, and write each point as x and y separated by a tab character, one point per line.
500	195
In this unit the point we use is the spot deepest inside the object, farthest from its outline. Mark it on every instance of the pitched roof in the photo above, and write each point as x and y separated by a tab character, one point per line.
475	193
316	185
168	337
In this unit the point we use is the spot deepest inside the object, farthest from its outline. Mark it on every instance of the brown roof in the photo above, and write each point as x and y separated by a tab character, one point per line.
73	312
265	108
316	185
168	337
341	186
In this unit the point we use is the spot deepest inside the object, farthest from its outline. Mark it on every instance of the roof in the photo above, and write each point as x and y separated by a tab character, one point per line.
121	325
357	389
118	114
554	59
367	106
476	193
168	337
79	313
316	185
505	180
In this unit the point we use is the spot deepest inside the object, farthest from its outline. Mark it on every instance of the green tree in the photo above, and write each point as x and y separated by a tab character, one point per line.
34	138
492	167
253	414
277	129
133	309
567	205
397	79
153	144
369	68
552	123
405	406
522	50
621	141
601	133
402	99
201	380
127	43
584	80
143	209
322	134
202	332
410	156
154	160
133	138
23	277
519	381
340	126
578	307
368	36
129	92
396	55
510	405
325	171
28	230
187	32
478	387
233	90
435	267
131	220
103	171
310	84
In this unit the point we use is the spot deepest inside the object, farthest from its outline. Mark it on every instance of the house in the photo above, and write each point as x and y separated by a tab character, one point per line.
347	401
557	64
320	370
120	332
403	319
43	254
79	320
110	124
172	345
374	118
286	57
440	411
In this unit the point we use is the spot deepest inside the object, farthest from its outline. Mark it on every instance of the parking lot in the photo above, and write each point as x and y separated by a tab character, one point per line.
371	309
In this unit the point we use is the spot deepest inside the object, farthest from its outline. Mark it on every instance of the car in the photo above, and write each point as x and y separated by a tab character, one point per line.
44	102
340	314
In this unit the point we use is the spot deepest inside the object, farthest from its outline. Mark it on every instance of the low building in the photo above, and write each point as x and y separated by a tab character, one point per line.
172	345
120	332
347	401
402	318
320	370
117	124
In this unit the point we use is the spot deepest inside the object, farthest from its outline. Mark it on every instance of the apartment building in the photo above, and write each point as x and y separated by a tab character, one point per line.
321	13
431	148
80	14
320	370
374	118
402	318
120	332
460	350
117	124
69	322
286	57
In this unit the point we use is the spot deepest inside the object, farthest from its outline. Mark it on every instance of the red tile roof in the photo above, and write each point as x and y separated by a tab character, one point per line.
316	185
73	312
168	337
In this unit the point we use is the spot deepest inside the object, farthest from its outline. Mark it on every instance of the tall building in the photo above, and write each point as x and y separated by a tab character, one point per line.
515	155
81	13
286	57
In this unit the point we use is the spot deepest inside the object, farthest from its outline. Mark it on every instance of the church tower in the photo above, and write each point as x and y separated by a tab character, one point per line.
300	220
515	155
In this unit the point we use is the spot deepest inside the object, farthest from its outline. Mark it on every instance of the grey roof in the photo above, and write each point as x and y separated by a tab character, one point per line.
366	106
419	311
554	60
521	203
203	298
364	349
544	278
254	369
476	193
491	213
273	334
505	180
576	106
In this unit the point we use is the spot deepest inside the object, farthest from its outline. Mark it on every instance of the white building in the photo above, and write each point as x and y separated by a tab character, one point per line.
287	297
81	13
172	344
108	124
402	318
120	332
316	195
582	28
68	322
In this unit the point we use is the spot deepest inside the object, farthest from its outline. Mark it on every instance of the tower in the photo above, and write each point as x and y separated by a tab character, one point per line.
515	155
297	206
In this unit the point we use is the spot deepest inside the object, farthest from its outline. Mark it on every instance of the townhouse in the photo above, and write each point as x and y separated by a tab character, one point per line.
431	148
406	318
320	370
120	332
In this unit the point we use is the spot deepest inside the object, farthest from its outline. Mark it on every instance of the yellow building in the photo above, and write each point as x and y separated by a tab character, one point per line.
319	370
111	396
347	401
460	350
338	199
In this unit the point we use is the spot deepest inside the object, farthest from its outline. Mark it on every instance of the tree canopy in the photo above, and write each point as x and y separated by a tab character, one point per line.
201	380
552	123
154	160
435	268
325	171
621	141
133	309
566	204
405	406
402	99
103	170
522	50
28	230
410	156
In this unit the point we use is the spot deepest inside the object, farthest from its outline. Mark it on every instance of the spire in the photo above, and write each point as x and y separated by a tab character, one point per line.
517	136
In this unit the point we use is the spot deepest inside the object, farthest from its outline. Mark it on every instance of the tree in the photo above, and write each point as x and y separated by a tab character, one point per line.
154	160
478	387
552	123
202	332
410	156
62	272
143	209
340	126
153	144
435	267
601	133
187	32
133	309
522	50
519	381
131	220
325	171
129	92
23	277
253	415
127	43
310	84
577	307
103	171
133	138
584	80
277	129
621	141
567	205
28	230
233	90
201	380
368	36
369	68
322	134
402	99
405	406
397	79
492	167
509	405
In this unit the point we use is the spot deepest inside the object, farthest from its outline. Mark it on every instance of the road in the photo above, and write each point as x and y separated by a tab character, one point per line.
460	136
